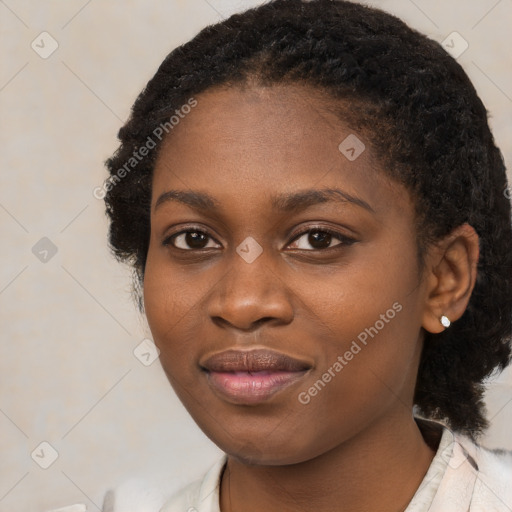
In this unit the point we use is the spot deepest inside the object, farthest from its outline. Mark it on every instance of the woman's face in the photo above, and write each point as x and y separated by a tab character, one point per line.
250	253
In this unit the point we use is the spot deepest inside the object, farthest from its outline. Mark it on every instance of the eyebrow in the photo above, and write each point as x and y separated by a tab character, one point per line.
288	202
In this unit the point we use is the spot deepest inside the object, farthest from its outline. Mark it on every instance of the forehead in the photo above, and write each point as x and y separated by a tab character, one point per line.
260	139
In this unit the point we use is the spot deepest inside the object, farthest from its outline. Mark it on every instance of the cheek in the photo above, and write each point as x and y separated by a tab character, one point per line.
372	320
365	296
171	295
169	302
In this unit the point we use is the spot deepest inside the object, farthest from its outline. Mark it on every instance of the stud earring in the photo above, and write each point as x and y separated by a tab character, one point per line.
445	321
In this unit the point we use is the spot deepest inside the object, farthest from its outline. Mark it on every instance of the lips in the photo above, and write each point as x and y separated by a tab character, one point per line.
252	376
253	361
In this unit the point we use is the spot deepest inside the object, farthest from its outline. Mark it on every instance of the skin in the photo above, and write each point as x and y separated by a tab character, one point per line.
356	441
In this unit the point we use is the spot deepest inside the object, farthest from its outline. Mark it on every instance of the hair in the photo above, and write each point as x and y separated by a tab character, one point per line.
424	121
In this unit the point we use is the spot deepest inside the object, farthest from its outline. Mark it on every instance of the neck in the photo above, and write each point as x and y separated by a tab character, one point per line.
379	469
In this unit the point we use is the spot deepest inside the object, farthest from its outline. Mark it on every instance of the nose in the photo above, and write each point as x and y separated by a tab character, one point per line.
249	295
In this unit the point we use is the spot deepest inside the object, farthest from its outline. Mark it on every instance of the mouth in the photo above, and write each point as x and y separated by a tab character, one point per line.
251	377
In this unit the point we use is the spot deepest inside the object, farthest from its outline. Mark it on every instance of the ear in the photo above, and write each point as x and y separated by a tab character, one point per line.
451	269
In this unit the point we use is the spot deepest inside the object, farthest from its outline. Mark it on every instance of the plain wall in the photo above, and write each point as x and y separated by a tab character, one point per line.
69	327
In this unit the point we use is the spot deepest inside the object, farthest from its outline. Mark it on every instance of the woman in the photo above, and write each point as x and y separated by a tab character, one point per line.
314	207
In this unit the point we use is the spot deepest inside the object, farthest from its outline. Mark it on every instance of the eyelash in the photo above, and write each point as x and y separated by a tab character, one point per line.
344	240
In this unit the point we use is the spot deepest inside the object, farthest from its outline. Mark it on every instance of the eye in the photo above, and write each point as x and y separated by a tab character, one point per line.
310	240
320	239
192	239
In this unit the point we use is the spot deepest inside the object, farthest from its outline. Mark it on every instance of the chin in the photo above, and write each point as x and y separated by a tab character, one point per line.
262	452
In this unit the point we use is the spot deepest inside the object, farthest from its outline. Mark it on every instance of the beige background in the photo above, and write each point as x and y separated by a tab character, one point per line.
68	373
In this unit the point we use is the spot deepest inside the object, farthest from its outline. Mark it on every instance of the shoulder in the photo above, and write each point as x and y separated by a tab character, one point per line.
493	469
184	500
142	494
472	478
199	496
160	493
492	463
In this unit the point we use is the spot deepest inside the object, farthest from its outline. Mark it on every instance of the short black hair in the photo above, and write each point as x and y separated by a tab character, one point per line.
424	121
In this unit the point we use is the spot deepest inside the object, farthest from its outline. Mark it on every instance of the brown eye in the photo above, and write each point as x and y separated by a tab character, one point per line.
190	240
318	239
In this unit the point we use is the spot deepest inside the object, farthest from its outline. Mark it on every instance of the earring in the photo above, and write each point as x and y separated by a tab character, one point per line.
445	321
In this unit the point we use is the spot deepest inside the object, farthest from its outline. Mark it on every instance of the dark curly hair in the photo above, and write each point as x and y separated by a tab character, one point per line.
422	117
